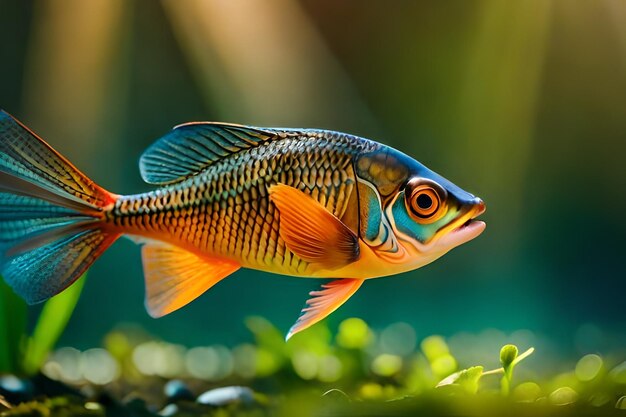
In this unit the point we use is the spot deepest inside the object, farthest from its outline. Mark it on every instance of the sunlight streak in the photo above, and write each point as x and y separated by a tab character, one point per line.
266	63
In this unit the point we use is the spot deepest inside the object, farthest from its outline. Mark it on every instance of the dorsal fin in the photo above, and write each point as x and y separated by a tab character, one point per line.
189	148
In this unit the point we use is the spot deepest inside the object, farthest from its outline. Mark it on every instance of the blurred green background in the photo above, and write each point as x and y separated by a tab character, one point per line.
521	103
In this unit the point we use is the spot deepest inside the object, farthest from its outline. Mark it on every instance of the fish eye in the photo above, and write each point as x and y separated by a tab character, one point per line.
424	202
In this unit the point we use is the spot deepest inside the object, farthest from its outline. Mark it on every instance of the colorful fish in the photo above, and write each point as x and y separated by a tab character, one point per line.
298	202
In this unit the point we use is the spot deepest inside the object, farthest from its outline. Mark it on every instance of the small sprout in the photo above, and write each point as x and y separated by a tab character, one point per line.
467	379
563	396
621	403
508	354
509	358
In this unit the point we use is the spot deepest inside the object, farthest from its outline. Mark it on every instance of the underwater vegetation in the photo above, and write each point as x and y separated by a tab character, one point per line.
21	352
354	370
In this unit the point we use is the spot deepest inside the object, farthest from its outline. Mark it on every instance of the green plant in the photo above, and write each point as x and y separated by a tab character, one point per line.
468	379
20	352
13	315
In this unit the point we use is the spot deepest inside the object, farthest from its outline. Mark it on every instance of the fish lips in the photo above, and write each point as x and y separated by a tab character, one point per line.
468	229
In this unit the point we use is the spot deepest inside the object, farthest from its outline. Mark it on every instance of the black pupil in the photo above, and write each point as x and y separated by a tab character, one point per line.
424	201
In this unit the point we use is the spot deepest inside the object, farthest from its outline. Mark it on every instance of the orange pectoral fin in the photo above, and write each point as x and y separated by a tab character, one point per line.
175	277
324	302
312	232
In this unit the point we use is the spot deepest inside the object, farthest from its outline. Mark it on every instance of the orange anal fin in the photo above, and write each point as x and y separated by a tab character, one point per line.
324	302
175	277
312	232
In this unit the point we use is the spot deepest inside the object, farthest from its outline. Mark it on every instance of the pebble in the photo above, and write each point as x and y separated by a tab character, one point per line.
14	389
219	397
176	390
169	410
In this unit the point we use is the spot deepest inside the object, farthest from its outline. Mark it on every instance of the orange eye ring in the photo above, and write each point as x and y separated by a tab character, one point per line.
425	202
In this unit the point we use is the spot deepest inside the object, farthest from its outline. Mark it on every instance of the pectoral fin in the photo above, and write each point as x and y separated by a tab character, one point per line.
312	232
324	302
175	277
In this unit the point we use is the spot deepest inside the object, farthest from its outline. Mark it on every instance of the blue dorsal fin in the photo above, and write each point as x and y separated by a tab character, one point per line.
190	148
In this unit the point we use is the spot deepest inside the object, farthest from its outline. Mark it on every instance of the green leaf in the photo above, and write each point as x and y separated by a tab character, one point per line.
53	319
266	335
467	379
13	315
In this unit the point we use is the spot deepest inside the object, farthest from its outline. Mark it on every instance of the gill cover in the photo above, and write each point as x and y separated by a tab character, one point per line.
406	205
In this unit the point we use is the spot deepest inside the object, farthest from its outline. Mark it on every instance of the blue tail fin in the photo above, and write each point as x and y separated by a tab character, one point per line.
51	215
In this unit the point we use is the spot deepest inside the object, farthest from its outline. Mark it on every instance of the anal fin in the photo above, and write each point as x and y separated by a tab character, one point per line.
175	277
324	302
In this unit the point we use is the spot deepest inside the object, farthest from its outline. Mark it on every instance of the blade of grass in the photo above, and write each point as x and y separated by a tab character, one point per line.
52	321
13	314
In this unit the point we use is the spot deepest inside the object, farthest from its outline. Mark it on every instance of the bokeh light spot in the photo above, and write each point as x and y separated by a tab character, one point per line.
398	339
354	334
305	364
527	392
588	367
98	366
202	362
329	369
386	364
563	396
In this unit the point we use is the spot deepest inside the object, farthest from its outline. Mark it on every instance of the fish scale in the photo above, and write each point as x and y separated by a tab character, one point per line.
225	210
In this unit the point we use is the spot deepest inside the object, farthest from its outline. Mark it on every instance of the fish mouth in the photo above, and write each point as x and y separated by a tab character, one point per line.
469	229
471	221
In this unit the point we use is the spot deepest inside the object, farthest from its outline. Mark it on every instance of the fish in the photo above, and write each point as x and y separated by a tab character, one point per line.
299	202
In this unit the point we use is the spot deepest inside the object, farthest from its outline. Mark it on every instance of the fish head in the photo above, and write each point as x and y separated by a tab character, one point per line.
410	215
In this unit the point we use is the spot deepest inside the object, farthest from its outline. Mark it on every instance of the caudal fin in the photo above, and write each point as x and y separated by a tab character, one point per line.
51	227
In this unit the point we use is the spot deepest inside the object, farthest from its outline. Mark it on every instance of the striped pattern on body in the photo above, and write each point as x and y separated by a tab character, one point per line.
225	210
